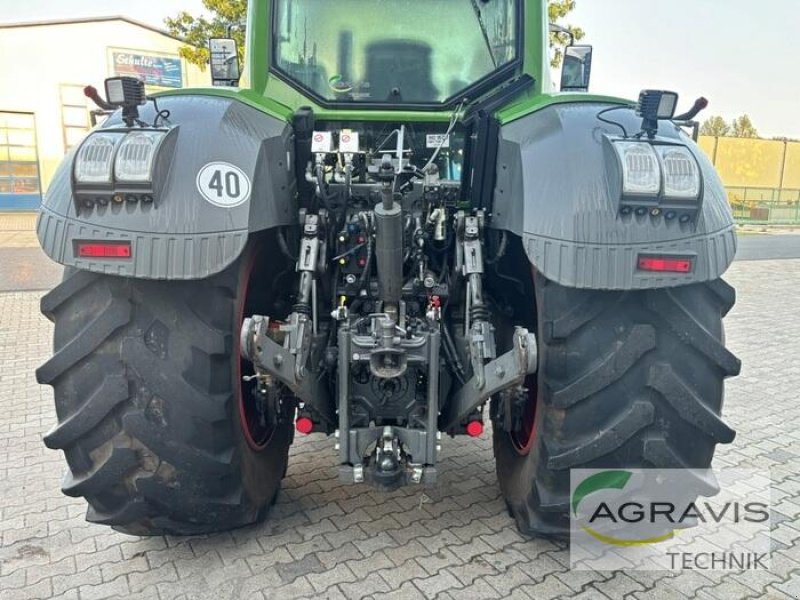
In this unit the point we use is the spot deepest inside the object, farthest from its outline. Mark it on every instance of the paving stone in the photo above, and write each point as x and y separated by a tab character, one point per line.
511	579
338	555
790	587
365	586
375	543
469	572
292	570
406	591
43	589
115	587
299	588
433	585
138	582
409	570
548	588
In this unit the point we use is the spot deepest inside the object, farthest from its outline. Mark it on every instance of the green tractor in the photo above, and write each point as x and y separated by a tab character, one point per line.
392	230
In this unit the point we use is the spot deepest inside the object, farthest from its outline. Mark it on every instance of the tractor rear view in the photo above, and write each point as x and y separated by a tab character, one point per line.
389	236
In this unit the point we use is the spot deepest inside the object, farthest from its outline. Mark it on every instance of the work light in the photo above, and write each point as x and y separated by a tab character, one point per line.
136	156
655	106
125	91
641	174
128	94
95	160
681	172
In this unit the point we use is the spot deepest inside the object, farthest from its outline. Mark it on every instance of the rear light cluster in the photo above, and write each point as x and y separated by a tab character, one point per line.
102	249
658	180
118	157
118	167
665	264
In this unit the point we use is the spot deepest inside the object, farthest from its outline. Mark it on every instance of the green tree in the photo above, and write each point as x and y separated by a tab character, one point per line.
715	126
196	31
743	128
557	10
227	20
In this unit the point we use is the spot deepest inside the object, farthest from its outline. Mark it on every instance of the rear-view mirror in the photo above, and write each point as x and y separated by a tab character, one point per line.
577	68
224	59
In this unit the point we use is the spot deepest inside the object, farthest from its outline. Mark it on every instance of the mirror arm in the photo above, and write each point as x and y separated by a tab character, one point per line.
556	28
233	26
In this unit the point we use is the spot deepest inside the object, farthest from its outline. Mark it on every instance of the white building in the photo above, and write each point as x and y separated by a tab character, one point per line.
44	67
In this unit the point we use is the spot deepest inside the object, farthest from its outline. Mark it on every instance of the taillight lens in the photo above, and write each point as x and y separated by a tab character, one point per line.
664	264
96	249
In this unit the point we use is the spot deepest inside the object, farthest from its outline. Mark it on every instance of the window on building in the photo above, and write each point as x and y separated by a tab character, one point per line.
19	163
74	115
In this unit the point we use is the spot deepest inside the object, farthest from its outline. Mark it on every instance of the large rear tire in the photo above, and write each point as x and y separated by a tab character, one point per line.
152	417
625	379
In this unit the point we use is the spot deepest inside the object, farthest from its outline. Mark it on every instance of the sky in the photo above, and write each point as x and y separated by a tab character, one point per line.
743	55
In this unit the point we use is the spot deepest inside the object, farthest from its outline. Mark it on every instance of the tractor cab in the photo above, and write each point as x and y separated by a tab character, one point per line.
412	52
424	55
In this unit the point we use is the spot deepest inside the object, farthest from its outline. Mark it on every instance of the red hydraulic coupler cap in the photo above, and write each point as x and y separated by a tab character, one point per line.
474	428
304	425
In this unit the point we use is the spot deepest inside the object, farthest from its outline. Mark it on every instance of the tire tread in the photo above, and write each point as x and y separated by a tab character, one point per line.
639	384
146	427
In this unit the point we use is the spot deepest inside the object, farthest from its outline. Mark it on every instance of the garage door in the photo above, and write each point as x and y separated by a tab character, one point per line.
20	188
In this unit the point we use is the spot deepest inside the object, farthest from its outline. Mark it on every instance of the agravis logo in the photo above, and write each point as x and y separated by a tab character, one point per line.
608	480
668	517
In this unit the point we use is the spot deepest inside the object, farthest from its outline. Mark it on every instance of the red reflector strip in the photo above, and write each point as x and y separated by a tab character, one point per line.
665	265
104	249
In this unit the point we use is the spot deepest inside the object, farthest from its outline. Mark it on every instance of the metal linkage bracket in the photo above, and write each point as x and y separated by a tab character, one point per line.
508	370
469	259
270	357
421	444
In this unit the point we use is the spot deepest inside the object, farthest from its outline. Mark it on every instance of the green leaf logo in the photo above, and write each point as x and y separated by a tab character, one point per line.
614	480
610	480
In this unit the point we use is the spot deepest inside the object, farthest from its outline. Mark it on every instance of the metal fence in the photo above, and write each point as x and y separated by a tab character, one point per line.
765	205
762	177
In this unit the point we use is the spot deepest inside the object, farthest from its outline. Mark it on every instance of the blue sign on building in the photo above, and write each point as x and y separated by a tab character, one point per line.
161	71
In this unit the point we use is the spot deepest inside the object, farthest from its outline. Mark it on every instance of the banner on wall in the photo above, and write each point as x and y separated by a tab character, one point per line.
161	71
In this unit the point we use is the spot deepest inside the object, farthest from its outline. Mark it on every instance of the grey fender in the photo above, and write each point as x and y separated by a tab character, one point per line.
558	188
181	235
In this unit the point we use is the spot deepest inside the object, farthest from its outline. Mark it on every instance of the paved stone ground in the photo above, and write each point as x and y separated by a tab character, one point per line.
18	230
329	540
23	264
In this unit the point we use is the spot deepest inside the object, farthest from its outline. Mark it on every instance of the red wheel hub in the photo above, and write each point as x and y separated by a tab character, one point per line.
257	433
524	438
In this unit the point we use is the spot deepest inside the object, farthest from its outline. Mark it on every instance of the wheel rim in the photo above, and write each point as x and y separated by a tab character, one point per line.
524	438
256	433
